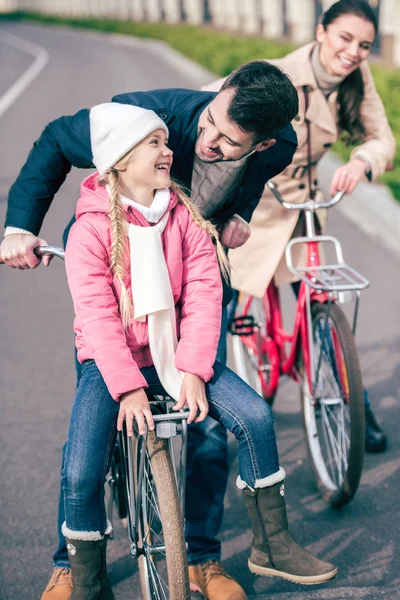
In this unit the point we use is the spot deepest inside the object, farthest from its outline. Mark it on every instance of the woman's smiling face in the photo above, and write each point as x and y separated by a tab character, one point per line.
344	44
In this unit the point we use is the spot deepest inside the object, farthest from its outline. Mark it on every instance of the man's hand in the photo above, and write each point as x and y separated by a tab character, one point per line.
135	405
16	250
235	233
348	176
193	395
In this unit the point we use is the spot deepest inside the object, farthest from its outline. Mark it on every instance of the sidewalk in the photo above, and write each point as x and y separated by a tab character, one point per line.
371	207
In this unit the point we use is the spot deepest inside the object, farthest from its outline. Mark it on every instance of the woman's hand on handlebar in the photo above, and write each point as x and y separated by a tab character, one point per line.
135	405
347	177
17	251
193	396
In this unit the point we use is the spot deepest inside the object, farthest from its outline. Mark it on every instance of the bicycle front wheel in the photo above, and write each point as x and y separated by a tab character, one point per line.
333	412
162	560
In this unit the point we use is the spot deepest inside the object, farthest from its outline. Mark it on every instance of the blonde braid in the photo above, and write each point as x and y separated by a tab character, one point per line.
208	227
118	237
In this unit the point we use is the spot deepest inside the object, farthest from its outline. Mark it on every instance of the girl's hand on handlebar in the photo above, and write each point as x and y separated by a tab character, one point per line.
193	396
135	405
16	250
348	176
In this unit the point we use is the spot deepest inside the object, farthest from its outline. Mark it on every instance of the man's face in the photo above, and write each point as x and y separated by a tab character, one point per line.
221	139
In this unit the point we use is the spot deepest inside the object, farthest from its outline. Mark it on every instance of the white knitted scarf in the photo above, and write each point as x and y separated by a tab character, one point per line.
152	297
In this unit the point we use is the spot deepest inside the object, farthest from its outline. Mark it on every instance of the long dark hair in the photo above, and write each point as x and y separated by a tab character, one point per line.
351	90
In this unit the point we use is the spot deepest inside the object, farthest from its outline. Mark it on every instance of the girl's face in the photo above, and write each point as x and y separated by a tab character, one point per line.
344	44
150	164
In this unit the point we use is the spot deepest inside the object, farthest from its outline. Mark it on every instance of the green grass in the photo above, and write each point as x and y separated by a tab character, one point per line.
221	52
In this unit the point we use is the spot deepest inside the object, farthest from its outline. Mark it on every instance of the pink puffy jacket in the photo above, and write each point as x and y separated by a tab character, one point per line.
195	280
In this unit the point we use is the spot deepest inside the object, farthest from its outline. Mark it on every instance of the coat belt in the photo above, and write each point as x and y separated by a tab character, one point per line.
299	171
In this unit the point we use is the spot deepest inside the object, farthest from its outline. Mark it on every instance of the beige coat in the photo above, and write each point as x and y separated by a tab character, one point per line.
255	263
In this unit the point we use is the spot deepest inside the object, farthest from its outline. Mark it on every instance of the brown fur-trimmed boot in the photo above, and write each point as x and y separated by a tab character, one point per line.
89	571
273	550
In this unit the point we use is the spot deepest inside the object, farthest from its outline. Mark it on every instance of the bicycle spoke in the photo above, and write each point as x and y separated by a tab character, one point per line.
156	562
330	398
329	372
153	572
333	408
150	494
337	457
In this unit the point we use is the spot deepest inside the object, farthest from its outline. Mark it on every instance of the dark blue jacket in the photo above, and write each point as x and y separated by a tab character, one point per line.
66	142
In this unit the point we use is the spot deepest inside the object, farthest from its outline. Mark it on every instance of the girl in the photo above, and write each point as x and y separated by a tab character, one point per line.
336	94
147	293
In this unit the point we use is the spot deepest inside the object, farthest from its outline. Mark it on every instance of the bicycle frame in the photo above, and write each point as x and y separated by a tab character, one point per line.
274	343
319	283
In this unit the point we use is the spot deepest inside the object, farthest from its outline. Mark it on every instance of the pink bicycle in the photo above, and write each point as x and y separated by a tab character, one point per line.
320	353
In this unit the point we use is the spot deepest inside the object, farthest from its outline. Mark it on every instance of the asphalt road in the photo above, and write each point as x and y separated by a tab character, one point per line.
37	371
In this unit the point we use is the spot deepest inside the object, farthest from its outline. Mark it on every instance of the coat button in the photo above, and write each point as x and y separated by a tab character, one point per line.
302	186
315	182
297	118
327	145
163	116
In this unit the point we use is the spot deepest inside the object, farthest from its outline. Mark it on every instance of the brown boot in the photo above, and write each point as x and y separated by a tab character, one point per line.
88	568
273	550
211	580
59	586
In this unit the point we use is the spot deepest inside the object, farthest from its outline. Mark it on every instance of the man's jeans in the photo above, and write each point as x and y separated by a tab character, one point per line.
92	434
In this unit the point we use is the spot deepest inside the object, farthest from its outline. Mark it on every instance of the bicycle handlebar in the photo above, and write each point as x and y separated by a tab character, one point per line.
309	205
52	250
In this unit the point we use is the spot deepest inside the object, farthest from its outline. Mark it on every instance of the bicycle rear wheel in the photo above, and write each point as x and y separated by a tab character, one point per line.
334	416
254	354
162	560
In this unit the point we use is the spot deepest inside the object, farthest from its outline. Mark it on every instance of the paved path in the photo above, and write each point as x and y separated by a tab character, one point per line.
37	374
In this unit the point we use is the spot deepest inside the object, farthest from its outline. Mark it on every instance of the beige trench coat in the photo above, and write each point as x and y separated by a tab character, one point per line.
272	226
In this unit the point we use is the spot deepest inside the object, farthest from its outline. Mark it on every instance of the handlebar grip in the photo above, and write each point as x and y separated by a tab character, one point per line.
40	251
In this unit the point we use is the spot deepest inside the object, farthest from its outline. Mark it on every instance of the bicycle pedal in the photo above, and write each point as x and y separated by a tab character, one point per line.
243	326
166	430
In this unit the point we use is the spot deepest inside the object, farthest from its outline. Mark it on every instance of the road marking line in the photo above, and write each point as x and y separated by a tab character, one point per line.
41	60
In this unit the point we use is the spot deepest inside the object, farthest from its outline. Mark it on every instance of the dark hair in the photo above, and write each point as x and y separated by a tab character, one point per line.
351	90
264	99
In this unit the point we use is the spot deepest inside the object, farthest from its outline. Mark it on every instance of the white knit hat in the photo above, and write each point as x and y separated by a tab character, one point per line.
117	128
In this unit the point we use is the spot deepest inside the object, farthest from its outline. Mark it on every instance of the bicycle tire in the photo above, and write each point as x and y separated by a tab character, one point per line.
159	469
342	362
248	363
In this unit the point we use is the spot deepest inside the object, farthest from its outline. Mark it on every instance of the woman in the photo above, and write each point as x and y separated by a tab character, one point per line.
336	94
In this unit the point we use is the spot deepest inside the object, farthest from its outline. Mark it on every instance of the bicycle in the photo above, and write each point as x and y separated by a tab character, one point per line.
148	490
320	353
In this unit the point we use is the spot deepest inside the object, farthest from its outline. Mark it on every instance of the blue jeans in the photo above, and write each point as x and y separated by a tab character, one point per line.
207	475
207	478
92	433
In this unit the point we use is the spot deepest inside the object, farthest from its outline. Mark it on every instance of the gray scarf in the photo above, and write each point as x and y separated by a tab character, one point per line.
326	83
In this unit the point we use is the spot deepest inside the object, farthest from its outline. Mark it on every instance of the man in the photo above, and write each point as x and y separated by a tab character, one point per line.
226	146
